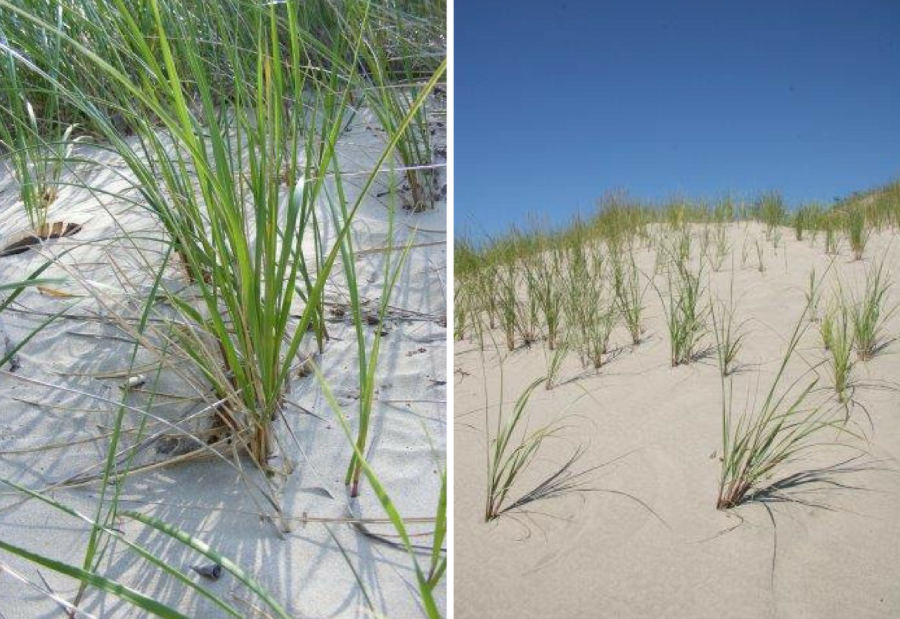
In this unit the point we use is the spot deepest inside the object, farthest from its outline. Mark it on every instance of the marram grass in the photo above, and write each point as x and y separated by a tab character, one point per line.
228	116
685	311
758	442
871	311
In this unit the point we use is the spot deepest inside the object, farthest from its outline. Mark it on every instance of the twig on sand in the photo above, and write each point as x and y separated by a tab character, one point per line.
8	350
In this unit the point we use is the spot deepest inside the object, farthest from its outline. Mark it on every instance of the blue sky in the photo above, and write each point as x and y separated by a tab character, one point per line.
557	103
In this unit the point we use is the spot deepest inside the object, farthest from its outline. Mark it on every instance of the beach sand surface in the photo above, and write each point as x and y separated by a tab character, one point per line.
647	541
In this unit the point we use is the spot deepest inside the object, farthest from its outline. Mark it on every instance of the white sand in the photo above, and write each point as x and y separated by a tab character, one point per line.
305	570
604	555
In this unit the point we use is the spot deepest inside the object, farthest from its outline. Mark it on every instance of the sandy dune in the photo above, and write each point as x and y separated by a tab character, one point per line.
649	542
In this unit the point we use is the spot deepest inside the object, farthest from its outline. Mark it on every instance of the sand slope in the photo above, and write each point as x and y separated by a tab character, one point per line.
602	554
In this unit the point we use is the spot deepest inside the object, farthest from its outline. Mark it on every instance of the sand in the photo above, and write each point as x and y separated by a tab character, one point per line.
53	400
829	549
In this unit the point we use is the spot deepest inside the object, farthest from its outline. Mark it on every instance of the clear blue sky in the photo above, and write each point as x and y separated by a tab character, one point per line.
557	103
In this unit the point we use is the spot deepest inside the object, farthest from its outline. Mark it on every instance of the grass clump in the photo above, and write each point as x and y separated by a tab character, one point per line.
394	103
831	227
755	444
800	222
805	221
729	335
857	232
590	305
477	289
836	330
512	450
38	143
771	211
629	294
543	273
508	302
37	165
721	247
246	268
870	313
685	312
554	364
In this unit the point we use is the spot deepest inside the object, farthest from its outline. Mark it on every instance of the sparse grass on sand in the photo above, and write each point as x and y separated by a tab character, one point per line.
513	448
776	407
757	443
871	311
